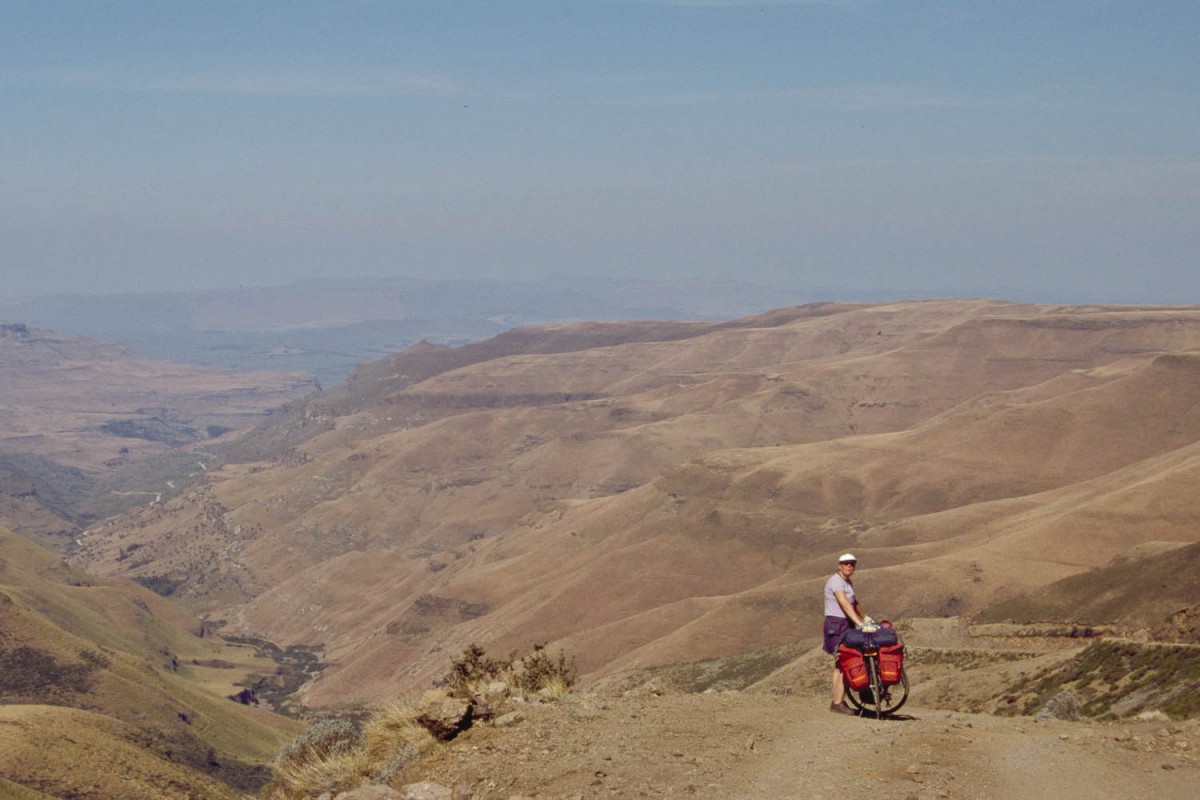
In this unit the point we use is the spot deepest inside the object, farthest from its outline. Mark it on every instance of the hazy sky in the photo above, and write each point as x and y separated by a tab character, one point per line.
1018	148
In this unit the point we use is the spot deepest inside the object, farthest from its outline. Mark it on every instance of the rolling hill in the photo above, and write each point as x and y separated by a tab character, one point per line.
648	493
123	688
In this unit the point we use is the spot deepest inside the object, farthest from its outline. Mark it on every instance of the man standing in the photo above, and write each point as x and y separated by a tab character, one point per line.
841	611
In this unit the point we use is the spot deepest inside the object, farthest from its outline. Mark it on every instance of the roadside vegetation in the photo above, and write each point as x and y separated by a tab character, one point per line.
1112	679
338	754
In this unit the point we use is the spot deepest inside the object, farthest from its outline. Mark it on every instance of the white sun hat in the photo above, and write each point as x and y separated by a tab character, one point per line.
844	557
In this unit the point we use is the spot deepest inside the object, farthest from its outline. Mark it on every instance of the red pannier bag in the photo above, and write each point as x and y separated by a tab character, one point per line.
850	662
891	664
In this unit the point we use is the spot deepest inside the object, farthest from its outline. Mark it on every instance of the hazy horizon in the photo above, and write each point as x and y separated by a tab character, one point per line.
1019	150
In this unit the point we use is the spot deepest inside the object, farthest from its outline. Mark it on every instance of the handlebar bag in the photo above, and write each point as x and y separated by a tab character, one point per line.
860	640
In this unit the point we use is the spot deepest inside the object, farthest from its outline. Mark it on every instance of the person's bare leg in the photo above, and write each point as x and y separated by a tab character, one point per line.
839	687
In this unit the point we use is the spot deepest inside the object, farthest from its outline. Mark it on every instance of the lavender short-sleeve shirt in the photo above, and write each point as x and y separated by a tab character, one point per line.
837	583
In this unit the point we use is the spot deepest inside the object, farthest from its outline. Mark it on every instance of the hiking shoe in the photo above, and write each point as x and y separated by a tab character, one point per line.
842	708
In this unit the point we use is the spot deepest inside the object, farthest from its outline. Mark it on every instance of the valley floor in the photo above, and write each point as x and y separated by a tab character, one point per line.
751	745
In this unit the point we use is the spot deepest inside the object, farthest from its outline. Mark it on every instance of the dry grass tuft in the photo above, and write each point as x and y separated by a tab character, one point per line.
392	732
333	755
556	687
332	774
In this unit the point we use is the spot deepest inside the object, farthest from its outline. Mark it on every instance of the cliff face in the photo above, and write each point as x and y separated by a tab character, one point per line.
650	493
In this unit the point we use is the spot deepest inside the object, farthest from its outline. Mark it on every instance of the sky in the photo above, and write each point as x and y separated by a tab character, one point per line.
1022	149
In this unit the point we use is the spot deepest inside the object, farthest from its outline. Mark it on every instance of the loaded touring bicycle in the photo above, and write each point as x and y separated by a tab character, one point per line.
871	659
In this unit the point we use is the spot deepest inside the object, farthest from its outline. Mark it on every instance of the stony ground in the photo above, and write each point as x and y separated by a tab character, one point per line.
747	745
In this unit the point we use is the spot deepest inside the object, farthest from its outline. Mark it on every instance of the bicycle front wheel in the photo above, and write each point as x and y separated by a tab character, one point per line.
876	686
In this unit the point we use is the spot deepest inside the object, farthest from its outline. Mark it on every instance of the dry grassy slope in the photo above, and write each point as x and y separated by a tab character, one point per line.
23	511
679	498
92	757
1142	589
115	649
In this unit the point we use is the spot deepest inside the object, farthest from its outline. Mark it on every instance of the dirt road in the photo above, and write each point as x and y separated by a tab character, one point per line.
749	745
950	755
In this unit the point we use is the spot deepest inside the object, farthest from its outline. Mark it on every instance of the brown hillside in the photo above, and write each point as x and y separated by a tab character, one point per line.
131	679
1157	585
644	494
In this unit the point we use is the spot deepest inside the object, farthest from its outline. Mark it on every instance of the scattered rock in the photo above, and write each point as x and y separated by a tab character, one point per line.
426	791
402	760
443	716
1061	706
509	719
490	702
373	791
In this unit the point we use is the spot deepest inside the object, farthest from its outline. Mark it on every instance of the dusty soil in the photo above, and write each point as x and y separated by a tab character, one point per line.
770	745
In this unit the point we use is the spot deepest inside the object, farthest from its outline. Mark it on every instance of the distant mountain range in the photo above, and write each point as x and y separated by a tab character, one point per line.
329	327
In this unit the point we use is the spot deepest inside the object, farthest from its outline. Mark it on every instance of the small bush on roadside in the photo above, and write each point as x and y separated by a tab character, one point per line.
334	755
328	757
330	737
539	670
474	669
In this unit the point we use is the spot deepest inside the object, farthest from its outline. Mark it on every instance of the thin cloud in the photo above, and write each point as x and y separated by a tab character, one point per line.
876	98
744	3
849	98
251	83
